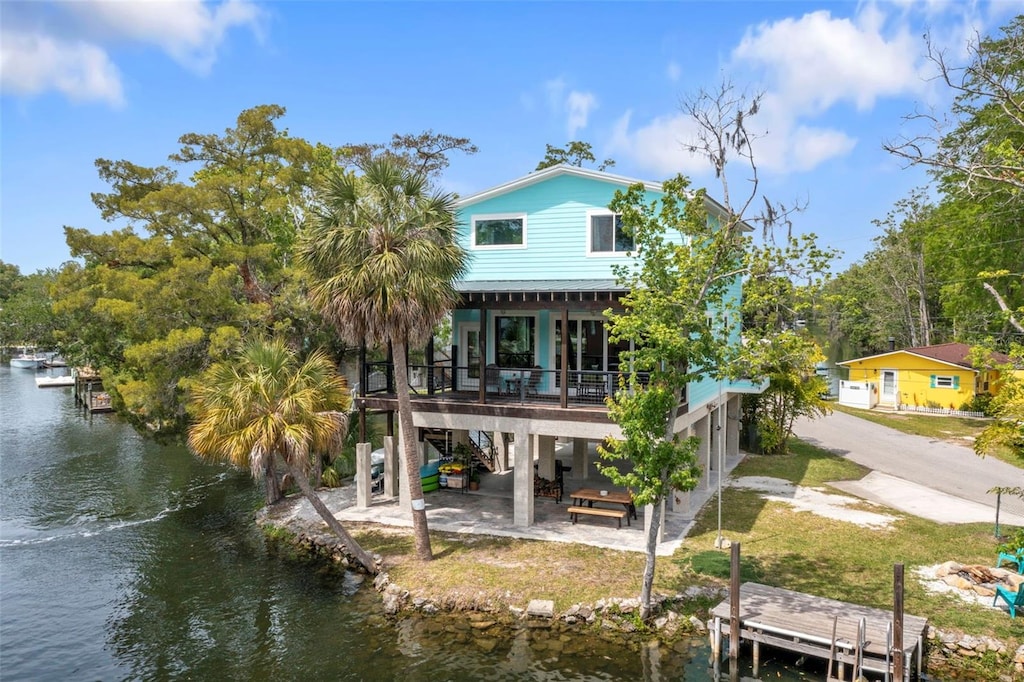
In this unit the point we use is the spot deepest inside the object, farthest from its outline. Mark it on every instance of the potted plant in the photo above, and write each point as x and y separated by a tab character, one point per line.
474	478
462	456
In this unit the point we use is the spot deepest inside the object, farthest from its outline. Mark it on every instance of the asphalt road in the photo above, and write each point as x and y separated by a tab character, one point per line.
935	464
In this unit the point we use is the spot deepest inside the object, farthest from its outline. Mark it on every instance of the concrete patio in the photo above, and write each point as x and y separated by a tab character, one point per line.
488	511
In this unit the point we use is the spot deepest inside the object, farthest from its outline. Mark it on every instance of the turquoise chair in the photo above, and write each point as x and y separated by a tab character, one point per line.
1015	558
1014	599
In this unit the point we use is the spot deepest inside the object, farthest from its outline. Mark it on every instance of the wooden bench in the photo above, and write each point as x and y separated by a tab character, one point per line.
619	514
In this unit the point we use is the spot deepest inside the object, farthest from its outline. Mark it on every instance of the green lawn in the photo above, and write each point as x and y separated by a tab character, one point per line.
806	552
795	550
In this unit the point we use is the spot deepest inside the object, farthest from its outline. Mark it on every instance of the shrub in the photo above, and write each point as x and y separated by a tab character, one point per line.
1014	543
330	477
979	403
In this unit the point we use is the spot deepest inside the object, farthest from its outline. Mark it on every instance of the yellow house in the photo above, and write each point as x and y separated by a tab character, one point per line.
926	376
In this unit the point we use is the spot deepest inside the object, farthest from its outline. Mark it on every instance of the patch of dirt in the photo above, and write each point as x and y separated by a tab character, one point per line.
816	501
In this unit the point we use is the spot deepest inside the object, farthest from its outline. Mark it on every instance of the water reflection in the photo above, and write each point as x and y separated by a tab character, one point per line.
124	559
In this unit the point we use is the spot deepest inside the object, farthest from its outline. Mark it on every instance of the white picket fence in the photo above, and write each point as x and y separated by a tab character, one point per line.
939	410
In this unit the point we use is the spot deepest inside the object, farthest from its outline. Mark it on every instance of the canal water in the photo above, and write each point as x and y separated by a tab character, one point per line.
124	559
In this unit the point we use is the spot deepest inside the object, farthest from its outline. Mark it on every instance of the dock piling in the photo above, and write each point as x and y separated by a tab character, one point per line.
897	622
734	601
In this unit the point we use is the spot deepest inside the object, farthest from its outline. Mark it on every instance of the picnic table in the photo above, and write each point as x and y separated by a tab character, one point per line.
591	495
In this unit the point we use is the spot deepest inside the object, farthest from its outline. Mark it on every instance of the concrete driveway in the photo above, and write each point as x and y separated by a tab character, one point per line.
921	476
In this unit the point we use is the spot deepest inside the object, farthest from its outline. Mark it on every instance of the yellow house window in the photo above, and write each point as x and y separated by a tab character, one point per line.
941	381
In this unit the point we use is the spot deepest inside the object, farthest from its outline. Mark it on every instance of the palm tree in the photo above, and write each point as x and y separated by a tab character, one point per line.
383	259
268	406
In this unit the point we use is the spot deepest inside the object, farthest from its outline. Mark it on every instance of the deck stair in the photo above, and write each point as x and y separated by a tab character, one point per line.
480	446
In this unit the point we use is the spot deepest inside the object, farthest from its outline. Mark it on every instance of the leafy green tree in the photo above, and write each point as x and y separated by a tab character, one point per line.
576	153
975	154
1007	408
383	260
787	360
202	261
426	153
979	149
242	203
26	308
687	268
671	286
265	406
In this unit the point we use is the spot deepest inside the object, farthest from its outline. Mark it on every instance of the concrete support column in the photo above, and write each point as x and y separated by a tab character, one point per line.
680	499
363	475
404	498
732	424
719	444
500	452
580	458
703	432
391	467
522	498
546	457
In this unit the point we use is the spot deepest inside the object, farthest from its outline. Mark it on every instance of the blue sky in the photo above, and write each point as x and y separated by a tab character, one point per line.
123	80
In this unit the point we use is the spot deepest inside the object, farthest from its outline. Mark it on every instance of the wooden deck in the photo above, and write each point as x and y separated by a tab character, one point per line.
804	623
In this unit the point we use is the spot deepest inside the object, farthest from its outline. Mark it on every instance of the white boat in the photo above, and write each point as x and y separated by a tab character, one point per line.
52	382
28	361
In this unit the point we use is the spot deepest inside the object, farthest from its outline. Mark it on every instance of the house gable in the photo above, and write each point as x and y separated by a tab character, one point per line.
555	211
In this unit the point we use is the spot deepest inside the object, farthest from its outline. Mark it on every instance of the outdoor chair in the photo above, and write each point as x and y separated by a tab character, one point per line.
492	376
1015	600
1015	558
533	382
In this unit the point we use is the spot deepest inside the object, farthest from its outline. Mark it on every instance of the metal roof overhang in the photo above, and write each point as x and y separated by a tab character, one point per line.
579	293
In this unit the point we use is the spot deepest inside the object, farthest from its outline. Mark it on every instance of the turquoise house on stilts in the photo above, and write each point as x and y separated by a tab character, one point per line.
531	361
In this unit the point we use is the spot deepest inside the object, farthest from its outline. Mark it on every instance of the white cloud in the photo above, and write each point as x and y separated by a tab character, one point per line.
673	71
780	144
574	105
808	66
190	31
64	46
579	106
657	146
555	90
32	63
817	60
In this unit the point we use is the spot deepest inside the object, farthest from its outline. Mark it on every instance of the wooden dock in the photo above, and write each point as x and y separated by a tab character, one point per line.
88	390
846	634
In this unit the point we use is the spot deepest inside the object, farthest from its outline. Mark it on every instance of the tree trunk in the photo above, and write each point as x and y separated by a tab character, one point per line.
652	547
922	301
421	532
273	485
353	547
250	285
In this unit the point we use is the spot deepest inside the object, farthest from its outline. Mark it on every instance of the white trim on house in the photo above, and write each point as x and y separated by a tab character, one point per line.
713	206
591	253
551	172
495	216
916	355
894	396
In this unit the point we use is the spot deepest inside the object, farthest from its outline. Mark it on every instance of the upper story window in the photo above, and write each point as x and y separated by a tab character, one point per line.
499	231
607	235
